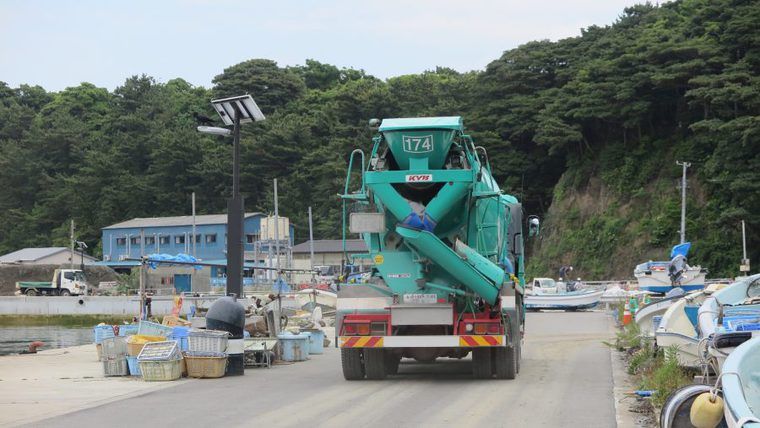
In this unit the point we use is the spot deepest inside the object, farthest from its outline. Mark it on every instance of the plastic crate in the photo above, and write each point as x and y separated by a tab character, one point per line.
207	340
136	342
102	332
148	328
134	367
205	364
115	367
160	351
114	347
128	329
153	371
180	335
750	326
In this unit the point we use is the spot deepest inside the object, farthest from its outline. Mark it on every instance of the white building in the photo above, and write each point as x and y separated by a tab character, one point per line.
45	256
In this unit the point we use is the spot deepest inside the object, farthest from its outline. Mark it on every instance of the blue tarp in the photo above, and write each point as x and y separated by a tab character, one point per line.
680	249
155	259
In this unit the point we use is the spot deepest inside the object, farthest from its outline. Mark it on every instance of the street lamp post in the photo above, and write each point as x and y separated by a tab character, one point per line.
234	111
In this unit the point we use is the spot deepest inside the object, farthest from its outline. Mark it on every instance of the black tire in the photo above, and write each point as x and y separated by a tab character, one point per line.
374	364
481	363
505	361
351	360
65	292
31	292
391	363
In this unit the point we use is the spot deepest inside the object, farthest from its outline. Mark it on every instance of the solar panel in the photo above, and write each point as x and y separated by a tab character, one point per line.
227	107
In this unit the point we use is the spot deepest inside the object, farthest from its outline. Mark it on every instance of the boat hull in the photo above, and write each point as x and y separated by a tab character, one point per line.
741	385
687	348
658	281
564	301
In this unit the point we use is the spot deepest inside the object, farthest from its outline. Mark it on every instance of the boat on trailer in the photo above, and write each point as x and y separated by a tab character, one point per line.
663	276
545	293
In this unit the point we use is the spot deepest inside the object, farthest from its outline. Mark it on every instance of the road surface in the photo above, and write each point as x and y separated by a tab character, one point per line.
565	380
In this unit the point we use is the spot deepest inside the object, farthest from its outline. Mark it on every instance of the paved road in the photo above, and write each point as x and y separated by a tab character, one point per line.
565	380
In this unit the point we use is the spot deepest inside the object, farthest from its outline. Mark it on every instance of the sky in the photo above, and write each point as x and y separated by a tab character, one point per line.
57	44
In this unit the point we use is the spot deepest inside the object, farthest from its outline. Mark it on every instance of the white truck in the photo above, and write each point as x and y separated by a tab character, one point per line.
66	282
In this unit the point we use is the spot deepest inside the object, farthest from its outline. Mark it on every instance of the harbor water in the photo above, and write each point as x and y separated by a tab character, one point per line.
16	339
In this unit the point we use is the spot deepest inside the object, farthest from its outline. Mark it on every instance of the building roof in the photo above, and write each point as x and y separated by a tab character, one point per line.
331	246
34	254
447	122
184	220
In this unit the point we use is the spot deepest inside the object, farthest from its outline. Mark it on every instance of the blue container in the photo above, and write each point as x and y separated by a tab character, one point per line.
127	329
134	367
316	342
102	332
179	334
295	347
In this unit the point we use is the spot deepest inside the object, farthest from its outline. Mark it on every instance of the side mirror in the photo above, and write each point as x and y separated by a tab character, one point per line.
534	225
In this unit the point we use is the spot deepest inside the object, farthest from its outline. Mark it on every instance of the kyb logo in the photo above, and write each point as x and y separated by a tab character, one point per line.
419	178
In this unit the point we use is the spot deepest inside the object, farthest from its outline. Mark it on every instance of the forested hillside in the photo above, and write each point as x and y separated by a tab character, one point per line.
585	130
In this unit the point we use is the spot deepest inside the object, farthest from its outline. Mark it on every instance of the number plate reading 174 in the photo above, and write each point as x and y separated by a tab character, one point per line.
420	298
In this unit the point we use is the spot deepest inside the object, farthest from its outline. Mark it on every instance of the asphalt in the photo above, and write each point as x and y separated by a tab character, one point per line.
565	380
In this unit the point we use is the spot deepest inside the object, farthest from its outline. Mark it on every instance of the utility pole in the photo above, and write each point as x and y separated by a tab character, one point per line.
276	231
193	197
685	166
71	253
311	243
744	267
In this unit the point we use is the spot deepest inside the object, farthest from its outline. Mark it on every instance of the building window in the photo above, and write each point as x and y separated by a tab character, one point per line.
179	239
135	240
211	238
250	238
121	241
163	239
198	238
150	240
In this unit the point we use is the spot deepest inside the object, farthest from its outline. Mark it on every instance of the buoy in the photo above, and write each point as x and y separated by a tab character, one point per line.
706	411
627	314
647	299
634	305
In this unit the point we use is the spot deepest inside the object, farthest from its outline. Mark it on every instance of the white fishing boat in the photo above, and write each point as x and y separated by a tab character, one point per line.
646	315
730	317
678	329
663	276
545	293
741	386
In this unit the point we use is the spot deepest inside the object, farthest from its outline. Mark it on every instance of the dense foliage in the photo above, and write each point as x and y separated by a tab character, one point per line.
586	129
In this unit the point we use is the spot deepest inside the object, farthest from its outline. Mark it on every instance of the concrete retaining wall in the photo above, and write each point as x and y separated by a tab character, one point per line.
95	305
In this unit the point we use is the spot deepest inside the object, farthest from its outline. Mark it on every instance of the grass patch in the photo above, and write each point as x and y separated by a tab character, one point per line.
61	320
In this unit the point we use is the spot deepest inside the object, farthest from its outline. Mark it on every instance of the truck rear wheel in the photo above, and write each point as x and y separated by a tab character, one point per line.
481	363
391	363
351	360
65	292
31	292
505	361
374	363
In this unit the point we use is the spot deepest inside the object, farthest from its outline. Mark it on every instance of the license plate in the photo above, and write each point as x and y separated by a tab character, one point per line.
420	298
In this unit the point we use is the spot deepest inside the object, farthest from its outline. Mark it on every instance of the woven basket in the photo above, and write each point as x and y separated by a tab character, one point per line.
161	370
202	366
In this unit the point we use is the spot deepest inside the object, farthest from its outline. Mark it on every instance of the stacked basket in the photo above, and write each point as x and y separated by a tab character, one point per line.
160	361
206	357
114	356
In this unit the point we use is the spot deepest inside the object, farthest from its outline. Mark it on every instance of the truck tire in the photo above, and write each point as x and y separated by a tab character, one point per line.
31	292
391	363
351	360
505	361
65	292
481	363
374	364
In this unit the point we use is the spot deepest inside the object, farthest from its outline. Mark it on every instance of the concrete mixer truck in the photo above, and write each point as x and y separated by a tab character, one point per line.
446	249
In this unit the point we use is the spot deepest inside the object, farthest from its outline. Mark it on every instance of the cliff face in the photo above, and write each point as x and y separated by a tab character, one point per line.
603	224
